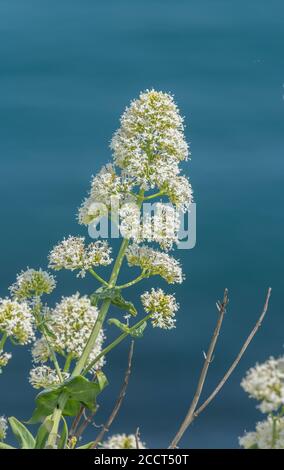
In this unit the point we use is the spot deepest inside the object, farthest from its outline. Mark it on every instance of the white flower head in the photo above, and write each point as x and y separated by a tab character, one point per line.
154	262
179	191
123	441
106	187
3	428
40	350
265	383
150	142
71	254
16	320
32	283
269	434
71	322
162	308
45	377
4	359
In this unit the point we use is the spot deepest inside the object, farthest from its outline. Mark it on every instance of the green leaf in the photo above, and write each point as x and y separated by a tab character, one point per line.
80	391
62	443
5	446
23	435
43	433
114	295
138	332
86	446
102	380
121	326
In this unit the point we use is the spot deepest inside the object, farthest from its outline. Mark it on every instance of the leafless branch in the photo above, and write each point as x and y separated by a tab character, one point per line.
238	358
190	417
137	435
118	401
208	357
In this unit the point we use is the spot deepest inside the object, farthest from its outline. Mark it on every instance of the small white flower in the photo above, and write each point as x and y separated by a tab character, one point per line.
32	283
16	320
71	322
45	377
150	142
123	441
162	308
265	382
105	187
3	428
4	359
71	254
154	262
179	191
40	350
269	434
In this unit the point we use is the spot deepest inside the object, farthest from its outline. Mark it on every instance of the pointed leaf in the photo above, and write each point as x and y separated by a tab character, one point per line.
23	435
43	433
3	445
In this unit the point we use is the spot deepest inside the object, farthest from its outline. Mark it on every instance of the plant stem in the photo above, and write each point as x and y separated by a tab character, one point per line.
3	341
115	343
99	278
68	362
51	442
152	196
131	283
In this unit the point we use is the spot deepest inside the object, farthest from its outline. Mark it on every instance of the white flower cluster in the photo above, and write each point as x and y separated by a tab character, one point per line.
154	262
106	186
72	254
4	359
269	434
45	377
162	308
71	323
162	227
16	320
265	383
3	428
32	283
40	350
179	191
150	142
123	441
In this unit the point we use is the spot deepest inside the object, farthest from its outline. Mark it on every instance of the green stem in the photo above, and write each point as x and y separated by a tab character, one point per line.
3	341
274	431
152	196
93	336
131	283
68	362
99	278
115	343
41	327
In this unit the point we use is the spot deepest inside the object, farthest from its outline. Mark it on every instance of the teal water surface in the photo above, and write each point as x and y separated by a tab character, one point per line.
67	70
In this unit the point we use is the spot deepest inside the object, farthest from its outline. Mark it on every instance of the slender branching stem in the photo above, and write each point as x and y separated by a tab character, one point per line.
208	359
3	341
99	278
134	281
119	400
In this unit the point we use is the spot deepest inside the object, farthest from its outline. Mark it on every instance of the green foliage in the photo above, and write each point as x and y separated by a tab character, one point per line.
114	295
22	434
80	391
43	433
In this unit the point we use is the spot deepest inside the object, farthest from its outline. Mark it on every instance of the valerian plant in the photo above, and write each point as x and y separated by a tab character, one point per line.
68	340
265	383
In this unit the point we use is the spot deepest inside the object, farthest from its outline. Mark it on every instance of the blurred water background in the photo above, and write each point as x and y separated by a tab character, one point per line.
67	70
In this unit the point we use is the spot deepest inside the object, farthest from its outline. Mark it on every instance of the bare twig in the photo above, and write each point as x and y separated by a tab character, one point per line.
229	372
137	435
208	358
238	358
118	401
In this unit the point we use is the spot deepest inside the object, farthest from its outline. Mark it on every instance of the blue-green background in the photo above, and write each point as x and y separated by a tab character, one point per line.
67	70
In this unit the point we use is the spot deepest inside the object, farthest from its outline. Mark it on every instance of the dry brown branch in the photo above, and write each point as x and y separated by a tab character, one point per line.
191	416
118	402
238	358
137	435
208	358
